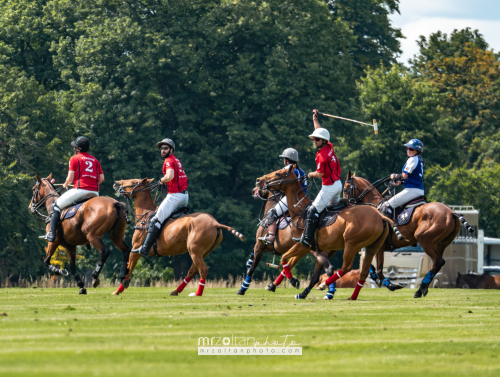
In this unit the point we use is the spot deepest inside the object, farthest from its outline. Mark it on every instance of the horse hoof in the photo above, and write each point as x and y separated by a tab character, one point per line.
271	288
174	293
299	297
240	292
327	298
321	287
96	283
192	294
295	283
115	293
83	291
126	283
417	294
351	299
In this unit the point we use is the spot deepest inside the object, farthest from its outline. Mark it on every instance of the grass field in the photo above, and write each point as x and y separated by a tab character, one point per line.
145	332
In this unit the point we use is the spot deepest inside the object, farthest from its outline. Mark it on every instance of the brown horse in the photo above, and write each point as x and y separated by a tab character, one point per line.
476	281
197	233
282	244
95	218
433	225
356	227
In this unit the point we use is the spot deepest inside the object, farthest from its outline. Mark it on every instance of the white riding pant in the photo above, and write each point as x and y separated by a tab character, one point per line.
281	207
328	194
404	197
71	196
169	205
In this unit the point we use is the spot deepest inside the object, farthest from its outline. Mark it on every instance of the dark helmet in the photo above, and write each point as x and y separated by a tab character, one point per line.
415	144
81	143
168	142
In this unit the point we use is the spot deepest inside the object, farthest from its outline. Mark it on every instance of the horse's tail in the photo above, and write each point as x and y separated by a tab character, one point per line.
119	206
229	229
464	222
388	220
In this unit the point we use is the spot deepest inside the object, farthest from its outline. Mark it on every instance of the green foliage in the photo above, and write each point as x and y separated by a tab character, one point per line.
477	187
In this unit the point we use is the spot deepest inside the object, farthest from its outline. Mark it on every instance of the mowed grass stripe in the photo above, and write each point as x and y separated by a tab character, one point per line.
145	332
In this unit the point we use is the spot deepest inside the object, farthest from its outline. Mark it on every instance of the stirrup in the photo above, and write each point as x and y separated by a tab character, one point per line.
302	241
265	241
47	236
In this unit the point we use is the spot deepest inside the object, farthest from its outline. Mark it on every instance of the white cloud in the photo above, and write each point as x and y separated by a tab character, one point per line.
428	25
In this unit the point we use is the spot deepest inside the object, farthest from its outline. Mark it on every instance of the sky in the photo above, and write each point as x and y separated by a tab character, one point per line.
424	17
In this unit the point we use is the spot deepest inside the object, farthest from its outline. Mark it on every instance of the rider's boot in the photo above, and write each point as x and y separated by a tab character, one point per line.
388	211
154	230
271	219
311	225
55	214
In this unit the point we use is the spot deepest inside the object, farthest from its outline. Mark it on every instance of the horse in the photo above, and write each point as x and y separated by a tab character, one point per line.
348	281
433	225
356	227
476	281
281	245
197	233
96	217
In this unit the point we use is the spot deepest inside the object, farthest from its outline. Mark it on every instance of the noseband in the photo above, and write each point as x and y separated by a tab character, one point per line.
36	205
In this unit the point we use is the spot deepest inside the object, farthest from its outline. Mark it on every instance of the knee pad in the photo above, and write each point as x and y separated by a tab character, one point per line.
54	208
152	223
312	211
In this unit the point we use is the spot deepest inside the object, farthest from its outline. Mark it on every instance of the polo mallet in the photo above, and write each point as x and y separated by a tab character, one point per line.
374	125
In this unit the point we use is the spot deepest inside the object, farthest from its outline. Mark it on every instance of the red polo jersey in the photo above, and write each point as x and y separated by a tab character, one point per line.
328	164
87	170
180	181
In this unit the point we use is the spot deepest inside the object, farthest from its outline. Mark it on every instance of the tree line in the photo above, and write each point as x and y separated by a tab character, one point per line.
233	83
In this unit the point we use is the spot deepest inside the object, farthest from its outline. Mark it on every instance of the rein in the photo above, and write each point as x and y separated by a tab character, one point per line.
366	191
139	219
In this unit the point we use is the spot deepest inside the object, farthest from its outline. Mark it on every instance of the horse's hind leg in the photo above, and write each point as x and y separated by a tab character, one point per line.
72	263
322	261
202	269
105	252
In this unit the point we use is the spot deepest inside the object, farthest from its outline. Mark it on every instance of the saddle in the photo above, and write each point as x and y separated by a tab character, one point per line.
403	213
177	214
326	218
69	212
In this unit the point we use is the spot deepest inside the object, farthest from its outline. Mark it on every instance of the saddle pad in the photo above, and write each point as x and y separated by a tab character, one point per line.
404	216
70	211
329	219
283	222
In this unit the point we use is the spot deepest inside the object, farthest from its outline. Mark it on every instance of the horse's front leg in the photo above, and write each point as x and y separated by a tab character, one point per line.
51	249
105	252
252	264
322	262
72	264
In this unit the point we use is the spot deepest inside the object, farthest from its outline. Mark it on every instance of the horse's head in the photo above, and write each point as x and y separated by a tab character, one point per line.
350	188
276	180
128	187
41	189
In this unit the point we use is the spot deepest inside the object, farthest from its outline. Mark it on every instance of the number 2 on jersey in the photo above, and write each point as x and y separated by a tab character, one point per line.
89	166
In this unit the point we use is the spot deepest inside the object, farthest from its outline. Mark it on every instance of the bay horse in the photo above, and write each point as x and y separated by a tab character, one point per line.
476	281
95	218
282	244
197	233
433	225
356	227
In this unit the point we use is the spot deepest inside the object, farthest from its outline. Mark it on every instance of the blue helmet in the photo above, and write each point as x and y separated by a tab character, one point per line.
415	144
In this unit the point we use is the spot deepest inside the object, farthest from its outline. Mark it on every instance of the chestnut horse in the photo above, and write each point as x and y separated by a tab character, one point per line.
93	219
282	244
476	281
197	233
433	225
356	227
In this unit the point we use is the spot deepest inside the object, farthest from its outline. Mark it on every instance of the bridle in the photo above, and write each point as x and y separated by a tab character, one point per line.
265	186
36	205
352	189
144	218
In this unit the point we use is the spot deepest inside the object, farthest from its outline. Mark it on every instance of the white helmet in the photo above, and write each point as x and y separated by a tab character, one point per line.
321	133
